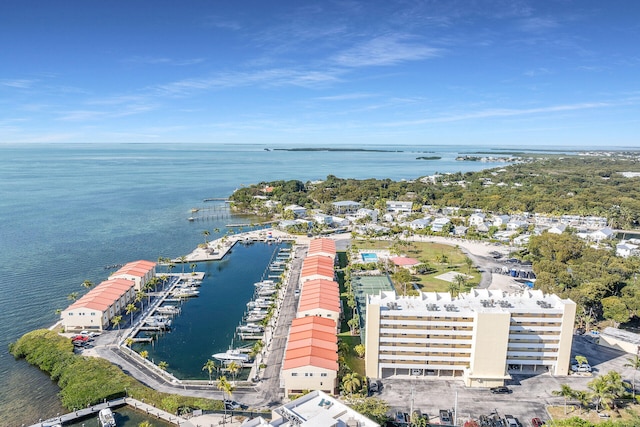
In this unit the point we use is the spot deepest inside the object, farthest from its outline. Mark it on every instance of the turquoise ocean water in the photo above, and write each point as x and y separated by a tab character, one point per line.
67	211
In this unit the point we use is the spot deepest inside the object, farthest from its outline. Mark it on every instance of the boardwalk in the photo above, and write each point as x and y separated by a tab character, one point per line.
92	411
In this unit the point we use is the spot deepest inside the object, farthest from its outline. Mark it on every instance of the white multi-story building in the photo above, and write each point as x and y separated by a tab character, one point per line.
479	336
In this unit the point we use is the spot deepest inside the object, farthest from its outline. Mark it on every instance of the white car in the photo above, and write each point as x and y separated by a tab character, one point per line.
584	367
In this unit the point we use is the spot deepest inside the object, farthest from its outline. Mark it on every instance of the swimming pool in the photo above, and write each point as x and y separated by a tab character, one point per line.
369	257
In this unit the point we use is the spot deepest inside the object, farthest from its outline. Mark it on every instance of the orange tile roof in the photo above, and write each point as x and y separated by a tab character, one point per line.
321	282
308	293
322	246
310	361
314	269
312	342
321	334
319	304
103	295
305	321
136	268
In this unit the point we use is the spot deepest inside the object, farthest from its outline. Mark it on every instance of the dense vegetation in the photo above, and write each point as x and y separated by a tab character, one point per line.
85	381
554	185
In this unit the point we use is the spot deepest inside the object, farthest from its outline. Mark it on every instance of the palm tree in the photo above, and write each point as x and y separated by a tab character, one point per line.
351	383
233	369
469	264
129	341
163	365
130	309
145	424
115	321
183	261
566	392
87	284
72	296
460	281
206	234
139	297
633	362
144	354
193	268
226	388
210	366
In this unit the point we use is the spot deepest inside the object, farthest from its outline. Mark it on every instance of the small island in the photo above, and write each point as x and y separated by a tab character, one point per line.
428	158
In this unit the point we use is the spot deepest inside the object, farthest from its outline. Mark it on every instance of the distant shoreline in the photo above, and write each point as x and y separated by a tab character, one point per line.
337	149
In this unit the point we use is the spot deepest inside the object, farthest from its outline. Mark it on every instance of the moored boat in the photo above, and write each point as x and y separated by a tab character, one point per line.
106	418
229	356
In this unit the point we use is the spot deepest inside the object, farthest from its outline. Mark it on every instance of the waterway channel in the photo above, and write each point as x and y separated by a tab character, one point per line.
207	323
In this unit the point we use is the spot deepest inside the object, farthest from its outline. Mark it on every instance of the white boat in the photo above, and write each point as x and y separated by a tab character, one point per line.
265	283
250	328
267	292
106	418
254	317
231	356
185	293
259	304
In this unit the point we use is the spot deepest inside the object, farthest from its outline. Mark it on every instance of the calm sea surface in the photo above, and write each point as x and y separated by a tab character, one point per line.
68	211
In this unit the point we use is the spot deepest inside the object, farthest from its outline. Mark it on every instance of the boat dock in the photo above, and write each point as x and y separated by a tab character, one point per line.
116	403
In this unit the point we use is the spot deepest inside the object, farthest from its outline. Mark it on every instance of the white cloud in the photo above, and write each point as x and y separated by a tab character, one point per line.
385	50
18	83
158	60
502	112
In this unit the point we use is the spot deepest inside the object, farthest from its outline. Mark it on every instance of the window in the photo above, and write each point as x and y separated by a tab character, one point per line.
93	314
323	375
294	374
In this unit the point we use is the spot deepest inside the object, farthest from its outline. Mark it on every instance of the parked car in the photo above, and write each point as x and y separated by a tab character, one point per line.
232	404
445	416
373	387
536	422
500	390
582	367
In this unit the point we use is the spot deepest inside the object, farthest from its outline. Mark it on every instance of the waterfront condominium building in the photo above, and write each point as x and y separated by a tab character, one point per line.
140	272
479	336
94	310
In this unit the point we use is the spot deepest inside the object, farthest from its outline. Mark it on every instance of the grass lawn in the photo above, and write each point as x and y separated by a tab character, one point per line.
352	360
441	258
630	412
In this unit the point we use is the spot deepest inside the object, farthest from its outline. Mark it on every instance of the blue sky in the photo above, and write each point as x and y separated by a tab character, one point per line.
504	72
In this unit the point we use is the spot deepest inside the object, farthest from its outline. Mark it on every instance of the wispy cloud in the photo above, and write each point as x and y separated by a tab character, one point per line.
225	24
386	50
502	112
270	77
92	115
537	24
346	97
537	72
156	60
18	83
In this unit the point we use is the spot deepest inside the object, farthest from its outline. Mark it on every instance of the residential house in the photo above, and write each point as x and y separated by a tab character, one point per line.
500	220
298	211
625	249
439	224
345	206
475	219
397	207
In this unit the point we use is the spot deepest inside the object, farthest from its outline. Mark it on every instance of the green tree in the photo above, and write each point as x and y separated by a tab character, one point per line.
469	263
226	388
183	261
402	277
116	320
193	268
353	324
163	365
209	366
144	354
206	234
566	392
633	362
233	369
351	383
360	350
87	284
373	408
614	309
129	341
140	296
145	424
130	309
581	360
73	296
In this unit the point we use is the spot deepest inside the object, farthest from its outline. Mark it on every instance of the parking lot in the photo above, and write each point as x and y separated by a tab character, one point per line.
529	398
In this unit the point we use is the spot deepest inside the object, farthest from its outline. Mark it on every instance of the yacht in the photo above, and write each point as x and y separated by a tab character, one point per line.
231	356
106	418
251	328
